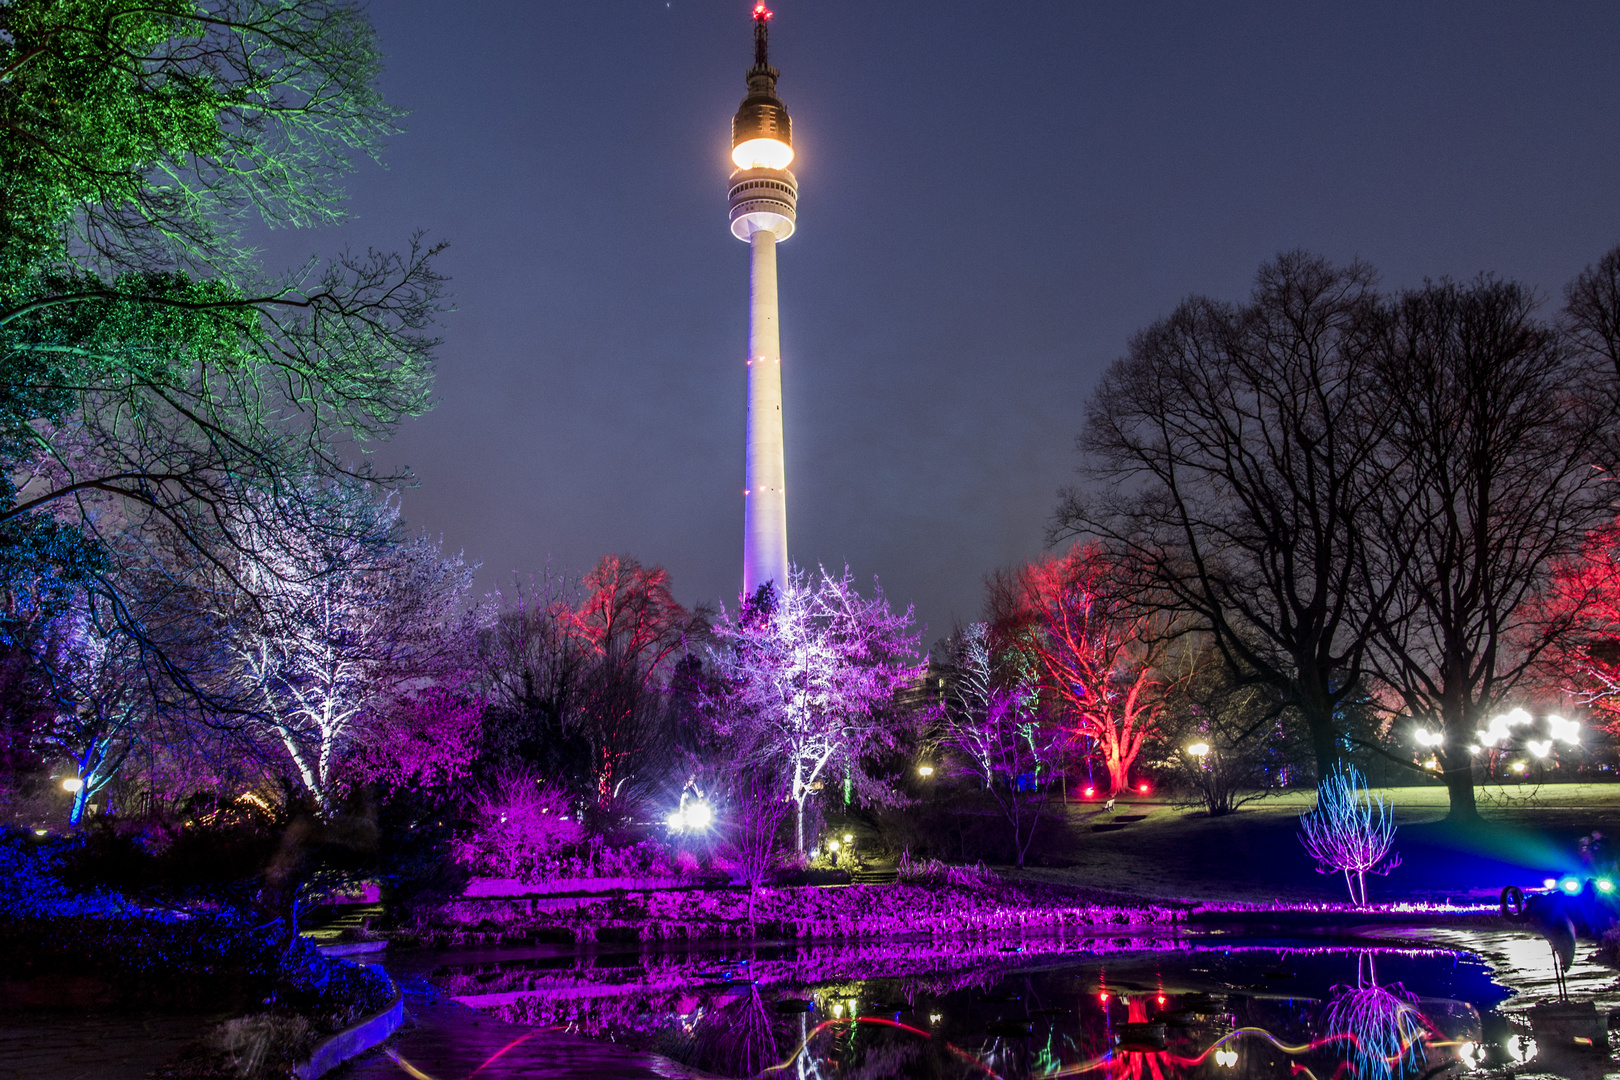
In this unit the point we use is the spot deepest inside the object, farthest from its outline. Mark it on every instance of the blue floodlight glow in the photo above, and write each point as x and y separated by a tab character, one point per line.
1605	885
1570	885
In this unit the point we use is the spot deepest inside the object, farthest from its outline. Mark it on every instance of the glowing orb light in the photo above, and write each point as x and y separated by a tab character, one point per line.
1570	885
1518	766
1143	789
1226	1058
691	817
1549	883
1091	791
762	154
1198	749
73	783
925	770
849	838
1605	885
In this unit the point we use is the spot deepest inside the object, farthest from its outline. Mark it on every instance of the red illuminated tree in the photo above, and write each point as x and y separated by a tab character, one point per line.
1586	612
628	630
1090	654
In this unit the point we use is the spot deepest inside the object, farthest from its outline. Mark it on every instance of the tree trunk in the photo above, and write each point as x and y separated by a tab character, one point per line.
1457	762
1459	775
1119	781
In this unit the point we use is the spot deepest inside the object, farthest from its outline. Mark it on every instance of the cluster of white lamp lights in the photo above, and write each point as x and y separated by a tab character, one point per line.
1499	733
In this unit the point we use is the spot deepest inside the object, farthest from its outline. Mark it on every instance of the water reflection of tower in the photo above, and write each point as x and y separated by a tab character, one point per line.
764	201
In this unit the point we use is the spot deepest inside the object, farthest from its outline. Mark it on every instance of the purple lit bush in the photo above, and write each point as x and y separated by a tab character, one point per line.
521	826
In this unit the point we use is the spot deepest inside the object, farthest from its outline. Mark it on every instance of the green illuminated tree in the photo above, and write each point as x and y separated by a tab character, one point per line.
149	373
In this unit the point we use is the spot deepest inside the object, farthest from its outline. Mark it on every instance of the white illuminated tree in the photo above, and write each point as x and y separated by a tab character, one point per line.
808	680
351	612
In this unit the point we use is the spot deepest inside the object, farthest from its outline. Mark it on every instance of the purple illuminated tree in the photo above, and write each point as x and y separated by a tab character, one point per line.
756	804
808	681
1350	831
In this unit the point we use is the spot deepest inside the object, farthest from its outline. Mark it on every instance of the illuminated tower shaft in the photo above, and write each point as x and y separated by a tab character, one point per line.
764	201
765	555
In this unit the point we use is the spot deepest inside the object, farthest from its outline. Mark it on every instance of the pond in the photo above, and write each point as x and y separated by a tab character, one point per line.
1151	1007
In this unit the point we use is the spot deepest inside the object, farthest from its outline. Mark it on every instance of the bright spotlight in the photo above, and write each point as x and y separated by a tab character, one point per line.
1549	883
1567	731
1540	748
1570	885
1198	749
691	817
73	784
925	770
1605	885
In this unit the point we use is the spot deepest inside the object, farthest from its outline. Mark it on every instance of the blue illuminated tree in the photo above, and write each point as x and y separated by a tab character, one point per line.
1350	831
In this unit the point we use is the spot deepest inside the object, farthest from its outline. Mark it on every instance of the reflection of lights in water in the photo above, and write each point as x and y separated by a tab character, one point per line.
418	1074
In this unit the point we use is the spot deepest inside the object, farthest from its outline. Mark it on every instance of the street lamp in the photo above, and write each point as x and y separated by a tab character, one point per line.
73	785
925	770
1198	750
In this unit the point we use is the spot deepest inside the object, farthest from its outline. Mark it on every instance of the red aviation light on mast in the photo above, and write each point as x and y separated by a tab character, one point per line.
761	133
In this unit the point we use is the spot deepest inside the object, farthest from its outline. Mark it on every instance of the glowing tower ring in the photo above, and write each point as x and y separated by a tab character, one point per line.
763	200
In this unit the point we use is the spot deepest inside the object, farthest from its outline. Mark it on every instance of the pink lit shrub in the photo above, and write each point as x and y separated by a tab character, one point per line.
934	872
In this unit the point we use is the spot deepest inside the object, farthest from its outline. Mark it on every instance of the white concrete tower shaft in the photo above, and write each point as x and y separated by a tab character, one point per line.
765	552
764	210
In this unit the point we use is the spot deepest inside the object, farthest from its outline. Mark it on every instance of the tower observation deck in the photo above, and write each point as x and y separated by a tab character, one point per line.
764	203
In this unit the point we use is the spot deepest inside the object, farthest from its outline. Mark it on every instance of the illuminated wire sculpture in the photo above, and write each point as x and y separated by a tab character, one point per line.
1350	831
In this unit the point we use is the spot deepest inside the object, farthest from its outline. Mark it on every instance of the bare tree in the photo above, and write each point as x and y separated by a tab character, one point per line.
1221	734
1228	460
1498	449
1592	309
1090	653
1001	737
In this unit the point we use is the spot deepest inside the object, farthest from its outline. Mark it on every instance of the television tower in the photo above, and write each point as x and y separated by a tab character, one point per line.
764	196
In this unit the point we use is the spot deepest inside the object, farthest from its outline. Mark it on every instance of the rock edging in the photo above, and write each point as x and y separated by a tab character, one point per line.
357	1039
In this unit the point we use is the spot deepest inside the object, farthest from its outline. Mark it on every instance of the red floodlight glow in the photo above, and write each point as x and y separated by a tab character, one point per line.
1091	791
1144	789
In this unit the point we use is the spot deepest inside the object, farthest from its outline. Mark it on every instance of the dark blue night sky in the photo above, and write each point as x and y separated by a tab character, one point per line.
993	198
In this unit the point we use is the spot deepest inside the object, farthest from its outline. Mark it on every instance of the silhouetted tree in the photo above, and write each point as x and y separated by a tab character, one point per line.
1229	458
1498	447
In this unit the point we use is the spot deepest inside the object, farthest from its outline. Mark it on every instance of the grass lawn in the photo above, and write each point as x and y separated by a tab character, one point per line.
1255	854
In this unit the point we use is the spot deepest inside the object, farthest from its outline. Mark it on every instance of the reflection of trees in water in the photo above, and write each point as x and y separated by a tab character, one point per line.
1384	1028
735	1038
